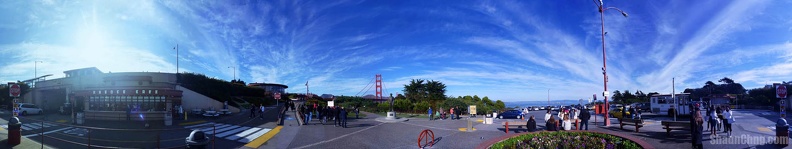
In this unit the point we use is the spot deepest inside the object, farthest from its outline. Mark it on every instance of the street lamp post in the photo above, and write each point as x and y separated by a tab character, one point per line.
35	74
177	62
604	63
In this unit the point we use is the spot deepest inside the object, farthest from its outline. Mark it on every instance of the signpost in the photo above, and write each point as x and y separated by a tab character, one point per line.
277	98
14	91
781	94
781	91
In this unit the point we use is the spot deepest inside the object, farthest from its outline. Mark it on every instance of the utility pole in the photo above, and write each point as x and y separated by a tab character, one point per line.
673	96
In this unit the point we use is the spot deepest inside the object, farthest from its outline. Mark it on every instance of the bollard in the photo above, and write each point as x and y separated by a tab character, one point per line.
14	132
507	127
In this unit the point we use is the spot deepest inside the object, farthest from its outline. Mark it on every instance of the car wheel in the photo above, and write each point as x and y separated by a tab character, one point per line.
518	117
500	117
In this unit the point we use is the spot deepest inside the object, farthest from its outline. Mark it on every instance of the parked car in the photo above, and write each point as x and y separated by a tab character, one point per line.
534	108
541	107
643	107
510	114
29	108
617	113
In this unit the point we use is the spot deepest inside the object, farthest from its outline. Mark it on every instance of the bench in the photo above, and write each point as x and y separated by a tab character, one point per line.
517	124
675	125
638	123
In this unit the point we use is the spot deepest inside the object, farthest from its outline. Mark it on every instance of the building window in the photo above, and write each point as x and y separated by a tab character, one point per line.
156	91
149	91
136	92
124	91
94	92
105	91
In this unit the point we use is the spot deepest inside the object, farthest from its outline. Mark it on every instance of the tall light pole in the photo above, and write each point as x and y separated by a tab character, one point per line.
548	97
177	63
604	63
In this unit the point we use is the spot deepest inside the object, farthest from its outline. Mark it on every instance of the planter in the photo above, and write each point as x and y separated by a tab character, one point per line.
565	139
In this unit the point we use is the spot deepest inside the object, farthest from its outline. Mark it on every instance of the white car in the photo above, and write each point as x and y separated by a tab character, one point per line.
29	108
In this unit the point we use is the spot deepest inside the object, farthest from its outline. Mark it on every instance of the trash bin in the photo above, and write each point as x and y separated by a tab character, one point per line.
782	132
197	139
14	132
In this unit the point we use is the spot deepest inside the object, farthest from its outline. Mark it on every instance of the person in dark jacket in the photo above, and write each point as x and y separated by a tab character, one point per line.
584	118
531	124
697	130
337	119
552	124
343	117
458	112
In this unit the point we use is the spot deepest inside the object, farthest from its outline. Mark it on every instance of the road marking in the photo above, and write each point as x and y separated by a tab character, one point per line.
255	135
199	125
51	131
264	138
224	134
191	123
465	129
243	134
764	129
211	130
227	128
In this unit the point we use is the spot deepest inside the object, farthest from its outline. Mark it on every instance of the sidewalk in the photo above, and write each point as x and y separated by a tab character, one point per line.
24	143
287	133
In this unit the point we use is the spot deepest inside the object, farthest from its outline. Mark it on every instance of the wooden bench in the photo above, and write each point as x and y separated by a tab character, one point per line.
675	125
517	124
638	123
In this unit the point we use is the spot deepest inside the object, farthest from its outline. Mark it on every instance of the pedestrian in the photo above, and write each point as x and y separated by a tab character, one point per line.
437	114
357	112
343	118
531	124
697	130
451	111
338	116
567	122
319	114
707	118
304	111
430	113
551	124
584	118
714	121
719	111
727	123
560	116
261	116
632	113
129	112
458	112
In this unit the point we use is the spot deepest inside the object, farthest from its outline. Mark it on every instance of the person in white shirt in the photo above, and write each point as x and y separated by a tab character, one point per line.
567	123
547	115
728	120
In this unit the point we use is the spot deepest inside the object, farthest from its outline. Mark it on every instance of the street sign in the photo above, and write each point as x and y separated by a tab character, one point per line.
277	96
14	90
472	109
595	97
605	94
781	91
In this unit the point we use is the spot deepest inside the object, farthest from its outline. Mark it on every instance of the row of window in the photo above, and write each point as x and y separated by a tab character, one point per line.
124	91
123	103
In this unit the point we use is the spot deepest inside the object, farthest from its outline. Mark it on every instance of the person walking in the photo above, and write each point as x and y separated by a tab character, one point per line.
337	117
531	124
719	112
305	115
584	118
727	123
458	112
714	121
632	113
261	116
551	124
697	129
357	112
451	111
343	117
129	112
430	113
707	118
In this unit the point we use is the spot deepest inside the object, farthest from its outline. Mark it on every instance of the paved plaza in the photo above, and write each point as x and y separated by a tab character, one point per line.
753	129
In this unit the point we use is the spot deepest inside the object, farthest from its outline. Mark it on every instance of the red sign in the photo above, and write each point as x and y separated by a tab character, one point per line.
277	96
15	90
781	91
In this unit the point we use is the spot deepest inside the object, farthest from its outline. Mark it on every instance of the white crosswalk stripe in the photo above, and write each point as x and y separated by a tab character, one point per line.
255	135
241	134
34	126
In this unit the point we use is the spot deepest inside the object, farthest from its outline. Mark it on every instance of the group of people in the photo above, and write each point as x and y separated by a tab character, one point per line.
566	119
257	109
635	113
337	114
717	117
441	114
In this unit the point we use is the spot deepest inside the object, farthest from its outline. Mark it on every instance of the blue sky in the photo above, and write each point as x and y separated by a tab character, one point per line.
507	50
